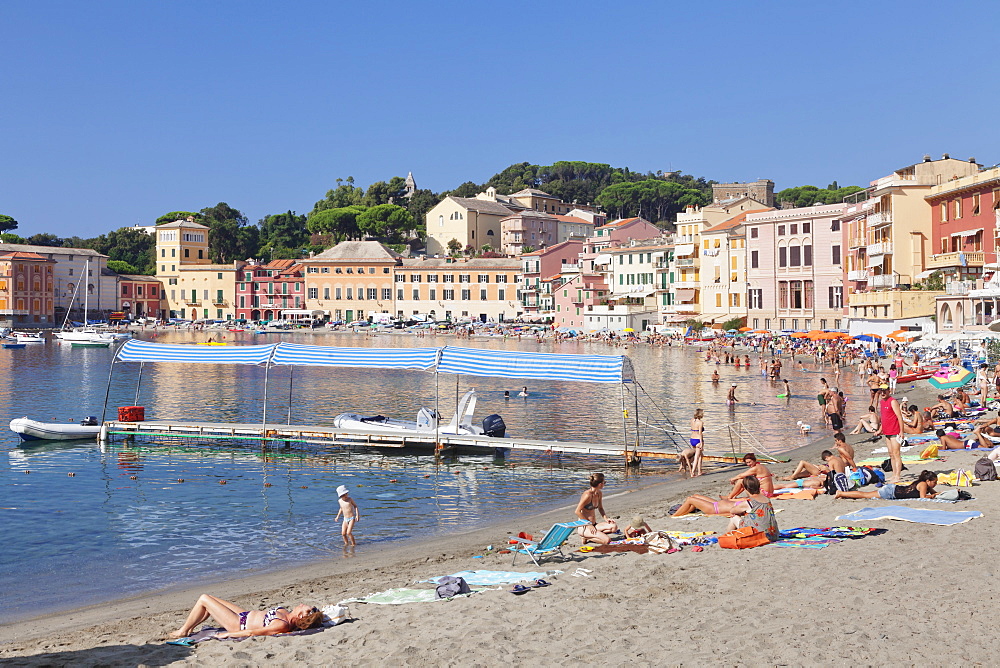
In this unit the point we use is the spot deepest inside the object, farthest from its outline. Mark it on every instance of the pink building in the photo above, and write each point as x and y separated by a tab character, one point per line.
795	268
622	230
544	264
528	229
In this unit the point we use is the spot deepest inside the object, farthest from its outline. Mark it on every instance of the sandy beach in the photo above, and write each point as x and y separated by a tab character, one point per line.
904	596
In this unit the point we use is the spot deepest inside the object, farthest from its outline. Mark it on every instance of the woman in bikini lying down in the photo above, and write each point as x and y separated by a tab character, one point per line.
709	506
592	502
240	623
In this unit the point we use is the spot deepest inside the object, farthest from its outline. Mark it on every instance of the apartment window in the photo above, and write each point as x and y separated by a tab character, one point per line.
313	294
794	256
796	294
835	254
718	300
350	293
484	278
386	293
734	299
835	297
835	226
466	295
807	256
416	294
414	278
338	292
400	278
361	294
432	278
371	270
500	294
958	208
806	227
781	230
783	297
782	256
793	229
754	259
944	212
482	295
464	278
399	294
807	295
448	295
754	232
755	299
350	270
326	293
373	293
501	278
433	294
449	278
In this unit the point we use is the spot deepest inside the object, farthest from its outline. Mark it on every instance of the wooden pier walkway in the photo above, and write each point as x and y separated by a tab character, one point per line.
276	434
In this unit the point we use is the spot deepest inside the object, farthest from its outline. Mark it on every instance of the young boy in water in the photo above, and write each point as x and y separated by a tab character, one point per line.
351	515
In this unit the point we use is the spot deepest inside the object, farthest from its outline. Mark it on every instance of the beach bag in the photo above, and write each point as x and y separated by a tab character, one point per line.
659	542
930	452
985	470
957	478
449	586
743	538
335	614
954	495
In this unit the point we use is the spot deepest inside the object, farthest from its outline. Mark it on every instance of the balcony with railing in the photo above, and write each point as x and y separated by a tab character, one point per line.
192	301
857	275
959	288
857	242
883	281
880	248
684	262
959	259
880	218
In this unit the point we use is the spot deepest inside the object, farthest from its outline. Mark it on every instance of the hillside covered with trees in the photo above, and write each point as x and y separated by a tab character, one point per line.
383	212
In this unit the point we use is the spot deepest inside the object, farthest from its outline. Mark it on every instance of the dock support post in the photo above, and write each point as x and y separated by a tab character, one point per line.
138	380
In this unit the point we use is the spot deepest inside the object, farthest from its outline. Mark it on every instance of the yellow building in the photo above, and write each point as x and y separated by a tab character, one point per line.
27	289
351	281
483	289
193	287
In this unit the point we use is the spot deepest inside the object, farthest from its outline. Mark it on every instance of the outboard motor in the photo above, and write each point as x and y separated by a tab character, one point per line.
89	421
493	426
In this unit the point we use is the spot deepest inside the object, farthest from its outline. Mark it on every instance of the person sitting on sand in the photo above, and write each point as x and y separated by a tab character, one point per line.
922	488
945	406
806	469
757	471
592	502
868	423
844	450
912	421
757	513
948	441
637	528
240	623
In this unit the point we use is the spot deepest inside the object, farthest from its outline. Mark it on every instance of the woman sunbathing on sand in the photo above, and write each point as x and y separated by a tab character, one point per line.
709	506
591	502
923	488
240	623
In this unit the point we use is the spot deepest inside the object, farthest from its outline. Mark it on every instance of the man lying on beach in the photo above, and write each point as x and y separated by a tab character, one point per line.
758	471
988	437
949	440
808	469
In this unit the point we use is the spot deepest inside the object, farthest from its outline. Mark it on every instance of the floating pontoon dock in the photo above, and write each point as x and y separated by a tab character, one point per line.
282	435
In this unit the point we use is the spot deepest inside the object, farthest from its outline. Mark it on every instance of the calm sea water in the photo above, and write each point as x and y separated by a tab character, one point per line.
132	519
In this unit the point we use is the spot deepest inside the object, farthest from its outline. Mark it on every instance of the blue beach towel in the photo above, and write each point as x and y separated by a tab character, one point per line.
814	543
918	515
493	578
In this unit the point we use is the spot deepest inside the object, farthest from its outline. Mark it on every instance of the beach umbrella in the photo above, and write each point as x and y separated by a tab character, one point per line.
628	329
867	337
732	331
800	335
760	331
994	326
957	378
746	329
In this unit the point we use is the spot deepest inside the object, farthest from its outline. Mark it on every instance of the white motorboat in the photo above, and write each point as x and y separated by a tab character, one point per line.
427	420
86	333
27	337
33	430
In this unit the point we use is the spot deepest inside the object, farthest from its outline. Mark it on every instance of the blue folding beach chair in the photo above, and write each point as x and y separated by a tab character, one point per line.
550	543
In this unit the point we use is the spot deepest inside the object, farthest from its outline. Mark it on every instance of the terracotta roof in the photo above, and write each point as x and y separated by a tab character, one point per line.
357	250
549	249
139	277
22	255
571	219
182	223
735	221
459	265
620	222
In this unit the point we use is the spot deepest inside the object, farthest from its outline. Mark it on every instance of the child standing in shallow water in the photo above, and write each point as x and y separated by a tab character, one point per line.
351	514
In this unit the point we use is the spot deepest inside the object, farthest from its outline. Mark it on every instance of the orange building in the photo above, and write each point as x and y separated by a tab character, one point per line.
27	289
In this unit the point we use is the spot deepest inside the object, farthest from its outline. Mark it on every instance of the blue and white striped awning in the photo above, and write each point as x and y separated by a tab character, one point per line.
540	366
135	350
292	354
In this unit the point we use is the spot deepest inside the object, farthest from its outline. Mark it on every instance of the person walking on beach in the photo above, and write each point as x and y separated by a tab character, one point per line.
351	514
892	423
698	441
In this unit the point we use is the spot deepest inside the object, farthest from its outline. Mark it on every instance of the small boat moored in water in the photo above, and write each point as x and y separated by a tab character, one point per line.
33	430
13	344
25	337
91	344
460	424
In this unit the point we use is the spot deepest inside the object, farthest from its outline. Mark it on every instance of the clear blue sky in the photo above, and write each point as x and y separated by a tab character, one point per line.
117	112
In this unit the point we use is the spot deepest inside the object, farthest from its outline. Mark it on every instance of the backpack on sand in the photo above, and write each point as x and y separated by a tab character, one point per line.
985	470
